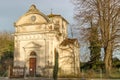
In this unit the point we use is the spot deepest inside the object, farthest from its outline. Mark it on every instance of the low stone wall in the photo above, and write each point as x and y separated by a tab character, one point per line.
38	78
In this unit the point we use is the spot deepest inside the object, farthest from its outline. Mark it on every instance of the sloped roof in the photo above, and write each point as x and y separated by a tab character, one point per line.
57	15
68	41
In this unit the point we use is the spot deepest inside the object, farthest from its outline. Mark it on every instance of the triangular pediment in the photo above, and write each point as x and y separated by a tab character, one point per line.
32	45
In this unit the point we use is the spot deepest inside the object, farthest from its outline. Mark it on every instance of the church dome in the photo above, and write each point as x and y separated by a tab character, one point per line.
31	17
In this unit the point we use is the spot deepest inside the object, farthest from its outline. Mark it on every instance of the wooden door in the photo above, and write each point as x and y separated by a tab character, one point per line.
32	66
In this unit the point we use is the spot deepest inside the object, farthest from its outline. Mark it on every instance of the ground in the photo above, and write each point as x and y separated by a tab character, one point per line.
34	78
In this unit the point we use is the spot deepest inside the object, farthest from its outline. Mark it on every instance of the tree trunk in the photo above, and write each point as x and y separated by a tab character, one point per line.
108	58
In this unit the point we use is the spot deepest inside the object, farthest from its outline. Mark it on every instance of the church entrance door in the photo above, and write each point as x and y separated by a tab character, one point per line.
32	64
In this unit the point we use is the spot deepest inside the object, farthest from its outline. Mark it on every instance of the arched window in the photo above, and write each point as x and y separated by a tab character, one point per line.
33	53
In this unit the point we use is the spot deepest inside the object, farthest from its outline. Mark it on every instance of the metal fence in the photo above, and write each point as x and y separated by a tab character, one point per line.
16	72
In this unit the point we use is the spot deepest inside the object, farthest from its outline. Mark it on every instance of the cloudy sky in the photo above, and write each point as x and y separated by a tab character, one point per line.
11	10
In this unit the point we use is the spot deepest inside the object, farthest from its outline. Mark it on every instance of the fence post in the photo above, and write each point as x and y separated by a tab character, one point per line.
9	71
101	74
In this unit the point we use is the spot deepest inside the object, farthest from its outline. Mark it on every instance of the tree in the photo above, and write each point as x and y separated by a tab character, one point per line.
55	70
6	52
90	35
94	43
95	48
6	41
116	63
106	15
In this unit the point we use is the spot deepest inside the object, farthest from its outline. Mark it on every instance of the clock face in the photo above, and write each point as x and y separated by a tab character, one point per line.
33	18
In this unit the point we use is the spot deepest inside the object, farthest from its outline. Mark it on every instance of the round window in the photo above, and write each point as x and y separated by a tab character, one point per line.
33	18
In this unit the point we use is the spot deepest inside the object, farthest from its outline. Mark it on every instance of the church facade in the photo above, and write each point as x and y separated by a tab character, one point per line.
37	39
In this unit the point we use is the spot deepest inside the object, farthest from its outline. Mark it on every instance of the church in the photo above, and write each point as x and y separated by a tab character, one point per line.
37	40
